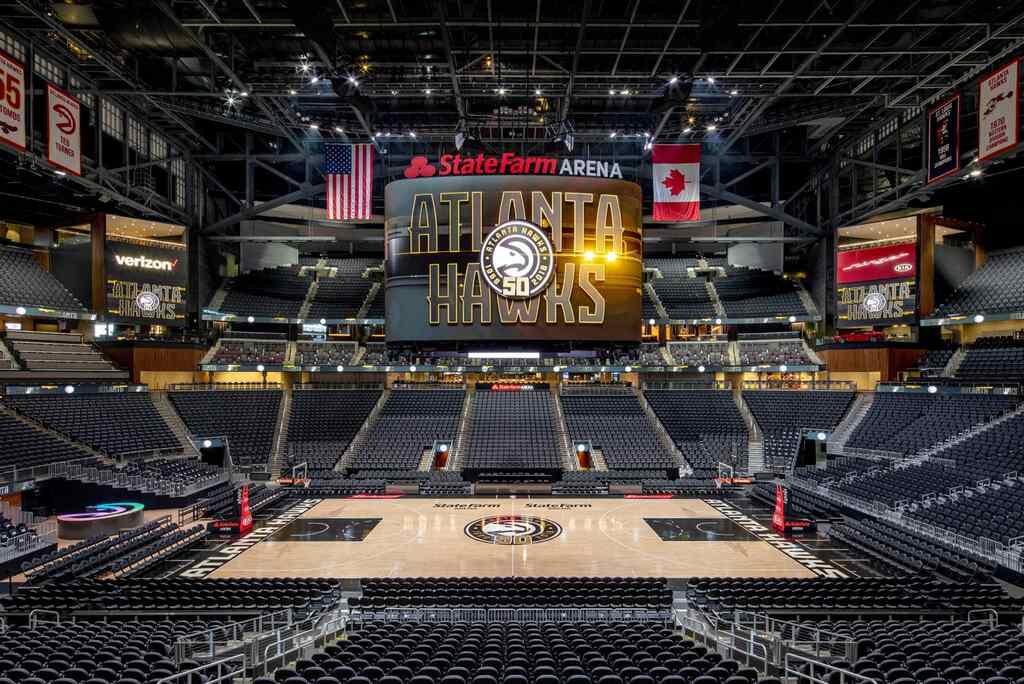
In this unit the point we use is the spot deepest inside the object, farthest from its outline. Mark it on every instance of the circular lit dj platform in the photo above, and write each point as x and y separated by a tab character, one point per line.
105	518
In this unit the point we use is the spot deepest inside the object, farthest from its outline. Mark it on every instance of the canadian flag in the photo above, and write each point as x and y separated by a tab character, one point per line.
676	179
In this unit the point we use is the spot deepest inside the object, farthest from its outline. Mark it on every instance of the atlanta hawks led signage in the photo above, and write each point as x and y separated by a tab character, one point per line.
513	258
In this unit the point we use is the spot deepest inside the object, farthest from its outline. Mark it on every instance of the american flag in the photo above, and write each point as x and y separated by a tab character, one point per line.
349	171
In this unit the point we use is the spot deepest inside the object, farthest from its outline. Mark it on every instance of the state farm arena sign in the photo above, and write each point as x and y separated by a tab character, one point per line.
510	163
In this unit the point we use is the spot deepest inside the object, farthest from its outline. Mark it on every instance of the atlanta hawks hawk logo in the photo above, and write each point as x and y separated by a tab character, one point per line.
512	530
517	260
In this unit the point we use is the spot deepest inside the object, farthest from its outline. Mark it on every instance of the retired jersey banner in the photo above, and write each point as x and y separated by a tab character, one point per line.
12	102
64	132
999	111
676	180
944	139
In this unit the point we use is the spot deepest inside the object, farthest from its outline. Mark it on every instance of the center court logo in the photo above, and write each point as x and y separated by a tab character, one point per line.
517	260
512	530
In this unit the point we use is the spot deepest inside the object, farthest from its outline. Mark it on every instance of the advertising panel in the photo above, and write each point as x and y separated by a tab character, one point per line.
877	263
513	257
146	281
887	303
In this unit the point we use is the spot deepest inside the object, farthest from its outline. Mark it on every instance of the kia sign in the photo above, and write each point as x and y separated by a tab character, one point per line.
146	281
510	163
513	257
877	263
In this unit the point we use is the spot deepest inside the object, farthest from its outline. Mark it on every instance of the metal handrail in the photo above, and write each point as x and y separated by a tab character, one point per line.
792	665
219	667
36	616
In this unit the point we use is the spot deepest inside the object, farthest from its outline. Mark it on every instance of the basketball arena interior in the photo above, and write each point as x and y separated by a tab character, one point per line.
462	342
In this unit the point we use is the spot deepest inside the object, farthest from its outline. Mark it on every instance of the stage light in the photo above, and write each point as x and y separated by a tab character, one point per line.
687	130
612	134
339	129
711	80
711	128
292	92
734	92
59	173
20	311
428	91
69	389
501	91
314	80
207	444
314	127
650	321
260	368
353	81
822	436
979	318
792	319
611	256
673	80
588	255
700	369
323	321
412	134
932	389
628	369
537	92
340	369
412	369
975	173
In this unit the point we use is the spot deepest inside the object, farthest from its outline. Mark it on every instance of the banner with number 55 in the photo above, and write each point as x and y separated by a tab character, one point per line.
12	102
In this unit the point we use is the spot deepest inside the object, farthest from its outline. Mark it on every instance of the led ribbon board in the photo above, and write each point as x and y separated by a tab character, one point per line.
529	257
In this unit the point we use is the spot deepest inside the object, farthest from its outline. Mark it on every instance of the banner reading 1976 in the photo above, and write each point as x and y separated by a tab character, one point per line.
999	111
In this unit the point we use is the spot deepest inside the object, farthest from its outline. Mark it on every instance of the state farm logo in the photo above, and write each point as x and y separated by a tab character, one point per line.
419	167
145	262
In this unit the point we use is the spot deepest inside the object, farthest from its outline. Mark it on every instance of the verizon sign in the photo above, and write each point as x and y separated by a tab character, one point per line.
145	262
890	262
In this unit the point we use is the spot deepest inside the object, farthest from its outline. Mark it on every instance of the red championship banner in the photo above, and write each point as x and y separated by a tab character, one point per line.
675	175
12	102
64	130
999	111
877	263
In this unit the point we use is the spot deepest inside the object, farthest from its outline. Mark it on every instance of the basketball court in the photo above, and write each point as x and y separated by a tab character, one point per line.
530	537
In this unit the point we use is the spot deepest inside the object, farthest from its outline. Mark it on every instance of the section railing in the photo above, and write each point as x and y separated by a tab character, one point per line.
515	615
799	668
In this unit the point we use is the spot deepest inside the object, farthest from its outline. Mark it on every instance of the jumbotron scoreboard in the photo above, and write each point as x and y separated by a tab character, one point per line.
513	258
